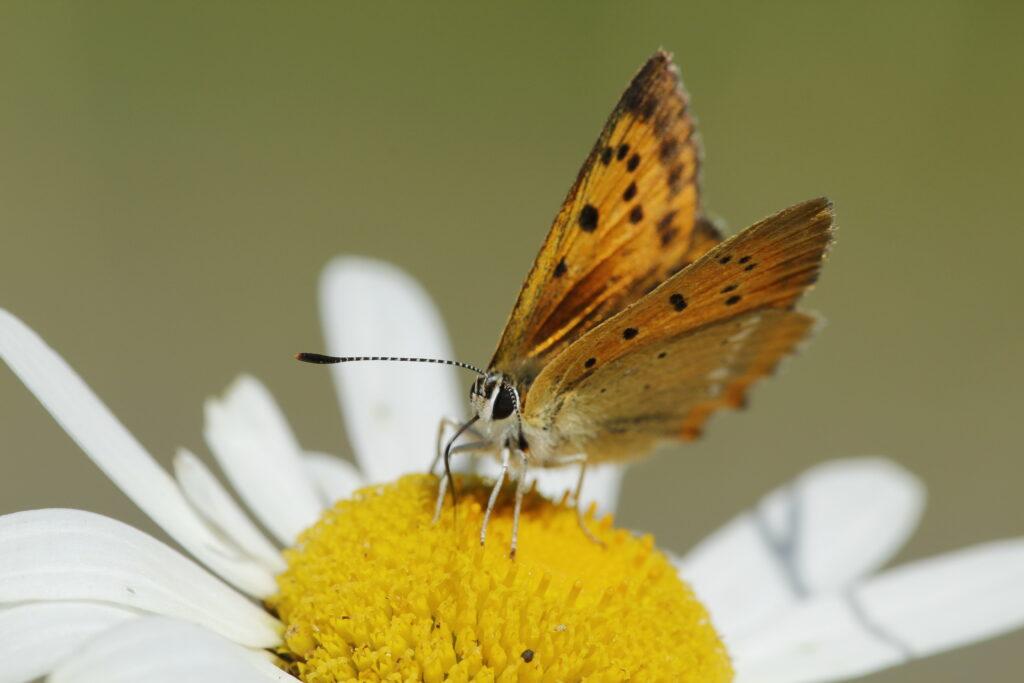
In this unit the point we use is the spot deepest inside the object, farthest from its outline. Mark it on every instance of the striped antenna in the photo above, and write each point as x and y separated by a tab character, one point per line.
320	359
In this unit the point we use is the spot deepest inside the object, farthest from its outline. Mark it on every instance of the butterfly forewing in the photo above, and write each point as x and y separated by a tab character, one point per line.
658	368
630	221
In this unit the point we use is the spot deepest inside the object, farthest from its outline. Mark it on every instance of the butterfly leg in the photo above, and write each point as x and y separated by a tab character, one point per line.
520	489
578	498
494	495
577	495
442	487
449	448
444	424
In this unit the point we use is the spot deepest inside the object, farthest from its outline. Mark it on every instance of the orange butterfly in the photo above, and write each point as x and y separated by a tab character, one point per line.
637	321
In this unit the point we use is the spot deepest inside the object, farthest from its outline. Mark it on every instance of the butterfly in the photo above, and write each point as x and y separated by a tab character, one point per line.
637	320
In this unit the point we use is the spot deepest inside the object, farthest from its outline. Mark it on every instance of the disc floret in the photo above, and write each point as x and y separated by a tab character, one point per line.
374	591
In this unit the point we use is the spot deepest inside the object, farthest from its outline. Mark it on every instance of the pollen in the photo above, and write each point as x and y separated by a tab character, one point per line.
376	592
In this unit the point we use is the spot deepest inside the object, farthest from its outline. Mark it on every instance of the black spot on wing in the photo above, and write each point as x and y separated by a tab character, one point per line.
606	155
623	151
630	192
665	222
637	214
630	333
666	229
588	218
560	268
675	180
590	362
678	301
732	300
669	150
633	162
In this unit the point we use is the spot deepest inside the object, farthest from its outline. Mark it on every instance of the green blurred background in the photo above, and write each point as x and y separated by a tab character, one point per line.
173	177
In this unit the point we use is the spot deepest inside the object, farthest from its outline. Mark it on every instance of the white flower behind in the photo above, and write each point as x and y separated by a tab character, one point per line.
84	598
791	583
391	410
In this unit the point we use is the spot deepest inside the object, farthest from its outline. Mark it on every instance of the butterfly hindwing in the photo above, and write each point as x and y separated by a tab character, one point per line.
631	403
630	221
657	369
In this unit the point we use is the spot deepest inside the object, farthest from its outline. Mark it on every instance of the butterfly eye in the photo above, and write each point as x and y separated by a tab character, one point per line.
504	404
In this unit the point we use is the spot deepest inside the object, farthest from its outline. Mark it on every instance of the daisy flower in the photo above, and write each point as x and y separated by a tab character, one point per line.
367	588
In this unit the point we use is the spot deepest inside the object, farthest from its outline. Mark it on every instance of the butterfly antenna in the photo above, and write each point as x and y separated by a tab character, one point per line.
321	359
515	407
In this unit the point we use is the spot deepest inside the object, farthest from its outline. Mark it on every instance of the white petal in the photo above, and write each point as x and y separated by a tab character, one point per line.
838	521
912	611
853	516
34	637
75	555
219	509
115	451
737	577
820	640
953	599
600	486
257	450
392	410
158	650
335	478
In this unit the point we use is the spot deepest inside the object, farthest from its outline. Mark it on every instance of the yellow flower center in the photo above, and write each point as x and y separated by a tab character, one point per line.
375	591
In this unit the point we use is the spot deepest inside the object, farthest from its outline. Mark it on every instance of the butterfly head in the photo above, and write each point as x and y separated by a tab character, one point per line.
495	401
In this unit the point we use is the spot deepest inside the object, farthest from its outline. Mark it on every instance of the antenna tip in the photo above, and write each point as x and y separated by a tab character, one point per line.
317	358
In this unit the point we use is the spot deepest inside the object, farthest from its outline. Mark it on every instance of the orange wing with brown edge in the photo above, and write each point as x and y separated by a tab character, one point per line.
629	222
692	346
